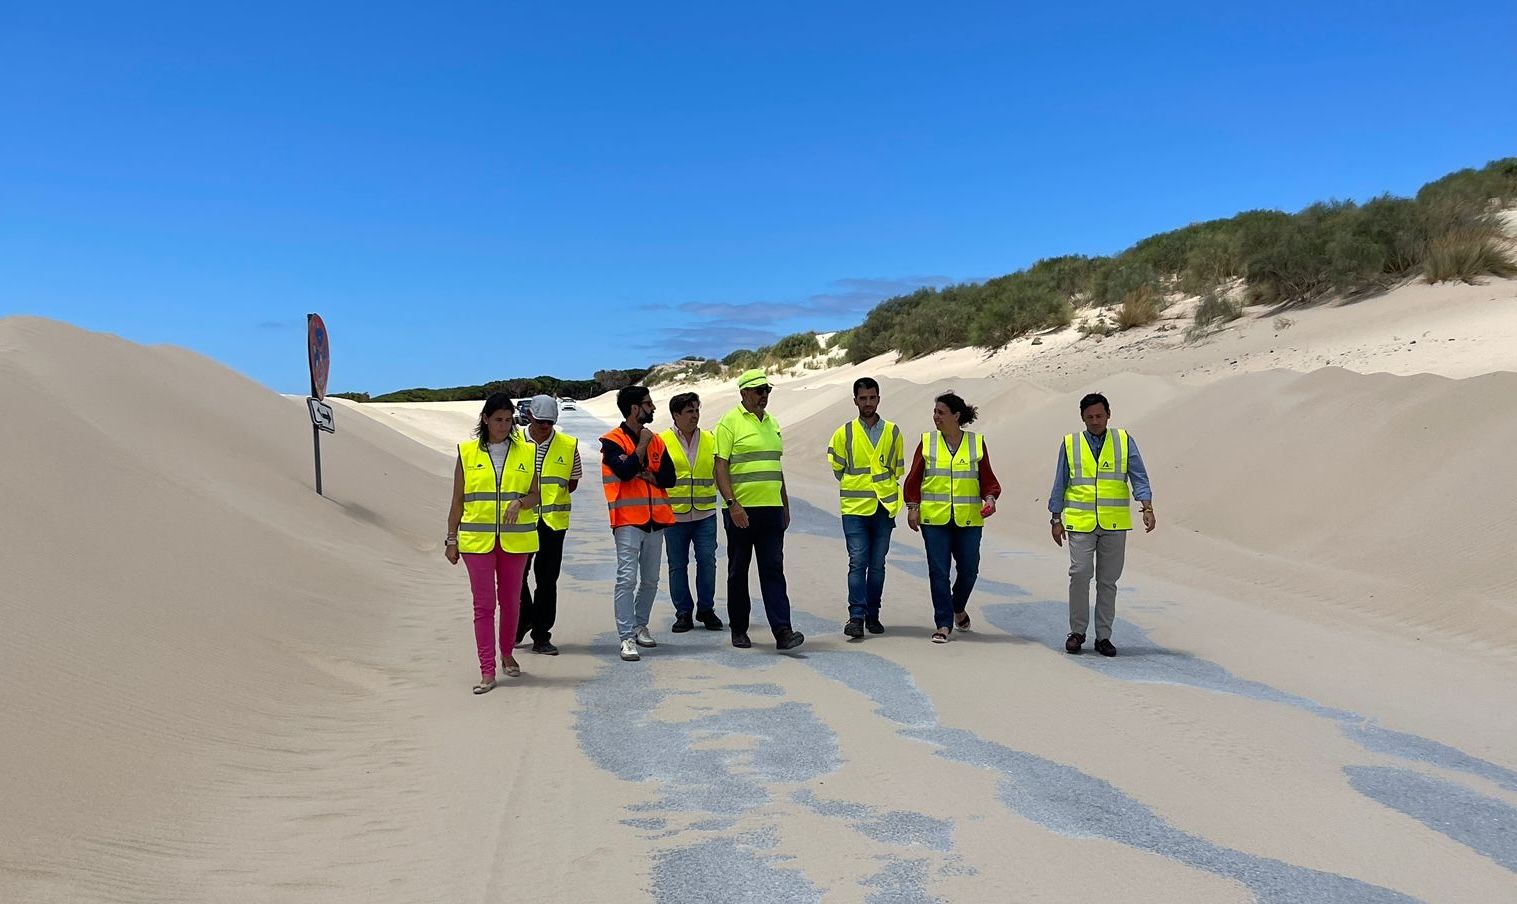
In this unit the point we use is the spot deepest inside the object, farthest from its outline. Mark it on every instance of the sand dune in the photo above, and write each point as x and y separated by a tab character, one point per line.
221	687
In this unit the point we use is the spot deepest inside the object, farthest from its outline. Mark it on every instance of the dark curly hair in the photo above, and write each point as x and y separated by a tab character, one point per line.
965	411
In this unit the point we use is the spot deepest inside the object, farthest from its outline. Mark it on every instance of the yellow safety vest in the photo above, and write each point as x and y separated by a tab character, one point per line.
753	449
553	482
486	497
694	487
1096	492
951	480
868	477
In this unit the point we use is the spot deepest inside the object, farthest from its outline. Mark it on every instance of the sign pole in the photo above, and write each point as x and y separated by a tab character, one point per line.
316	444
319	353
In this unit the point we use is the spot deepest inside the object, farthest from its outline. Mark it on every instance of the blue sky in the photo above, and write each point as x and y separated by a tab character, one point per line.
475	191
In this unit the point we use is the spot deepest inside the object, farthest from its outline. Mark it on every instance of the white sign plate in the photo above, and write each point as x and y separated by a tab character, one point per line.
321	415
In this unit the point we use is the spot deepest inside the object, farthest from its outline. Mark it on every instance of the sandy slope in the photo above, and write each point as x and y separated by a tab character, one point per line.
221	687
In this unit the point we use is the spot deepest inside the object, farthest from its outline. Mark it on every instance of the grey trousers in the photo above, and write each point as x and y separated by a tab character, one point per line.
638	556
1098	554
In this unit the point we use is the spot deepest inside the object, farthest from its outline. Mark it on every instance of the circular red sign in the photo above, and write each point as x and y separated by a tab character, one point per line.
320	353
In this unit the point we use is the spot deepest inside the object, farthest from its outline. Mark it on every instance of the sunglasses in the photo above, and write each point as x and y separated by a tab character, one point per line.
761	389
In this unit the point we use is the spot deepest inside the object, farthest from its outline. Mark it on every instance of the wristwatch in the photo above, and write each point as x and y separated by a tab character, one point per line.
729	502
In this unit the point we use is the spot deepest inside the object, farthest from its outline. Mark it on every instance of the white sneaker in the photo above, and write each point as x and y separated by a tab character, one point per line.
644	638
629	651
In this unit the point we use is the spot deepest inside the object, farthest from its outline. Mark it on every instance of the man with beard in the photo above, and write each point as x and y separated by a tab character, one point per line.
636	473
868	460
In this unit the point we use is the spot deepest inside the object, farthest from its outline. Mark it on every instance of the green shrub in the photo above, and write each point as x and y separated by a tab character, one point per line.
1212	260
1472	189
1015	305
1468	252
1113	283
1095	327
1215	309
792	347
742	359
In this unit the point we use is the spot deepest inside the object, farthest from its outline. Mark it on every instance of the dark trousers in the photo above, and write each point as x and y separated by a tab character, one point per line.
764	538
539	614
961	546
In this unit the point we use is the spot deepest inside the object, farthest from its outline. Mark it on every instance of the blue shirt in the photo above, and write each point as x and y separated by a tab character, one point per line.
1137	474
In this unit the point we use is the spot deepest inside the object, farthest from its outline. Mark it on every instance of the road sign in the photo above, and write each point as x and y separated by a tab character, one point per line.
319	350
321	415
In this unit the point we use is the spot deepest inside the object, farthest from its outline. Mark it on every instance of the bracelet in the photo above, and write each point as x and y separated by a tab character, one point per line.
450	541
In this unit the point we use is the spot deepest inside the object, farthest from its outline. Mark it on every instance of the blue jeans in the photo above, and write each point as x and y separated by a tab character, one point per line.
962	545
868	539
678	538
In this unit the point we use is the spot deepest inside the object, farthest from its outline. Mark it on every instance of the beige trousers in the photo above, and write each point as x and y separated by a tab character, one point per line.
1098	554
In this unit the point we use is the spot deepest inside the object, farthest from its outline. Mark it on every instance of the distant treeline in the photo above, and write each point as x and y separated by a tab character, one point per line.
1449	231
520	387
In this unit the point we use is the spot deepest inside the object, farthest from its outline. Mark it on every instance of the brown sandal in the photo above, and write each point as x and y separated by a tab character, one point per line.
940	637
961	621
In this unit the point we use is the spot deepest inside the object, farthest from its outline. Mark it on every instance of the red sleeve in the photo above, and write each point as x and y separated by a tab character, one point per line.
989	486
914	477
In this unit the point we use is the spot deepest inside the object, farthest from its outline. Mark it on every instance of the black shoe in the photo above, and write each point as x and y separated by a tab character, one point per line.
545	648
710	620
1073	643
1105	648
874	626
682	623
790	640
741	641
854	628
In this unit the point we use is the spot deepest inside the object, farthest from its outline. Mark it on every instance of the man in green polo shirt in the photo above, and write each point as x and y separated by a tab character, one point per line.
752	486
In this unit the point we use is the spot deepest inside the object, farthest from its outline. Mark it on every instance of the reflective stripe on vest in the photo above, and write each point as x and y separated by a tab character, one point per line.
754	465
951	480
1096	493
558	464
635	502
867	476
694	487
486	497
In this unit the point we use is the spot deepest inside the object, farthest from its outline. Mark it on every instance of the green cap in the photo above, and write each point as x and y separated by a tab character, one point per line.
752	379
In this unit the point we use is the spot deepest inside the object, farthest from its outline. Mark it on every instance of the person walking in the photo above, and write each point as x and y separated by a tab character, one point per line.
1089	505
636	473
751	482
559	470
693	500
868	462
492	526
950	491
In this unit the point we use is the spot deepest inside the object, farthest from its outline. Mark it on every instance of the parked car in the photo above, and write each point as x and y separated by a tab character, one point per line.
523	408
567	405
